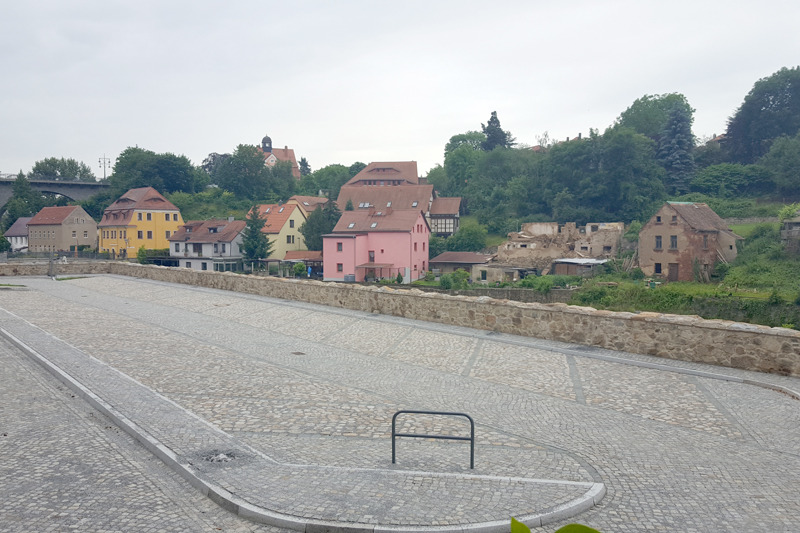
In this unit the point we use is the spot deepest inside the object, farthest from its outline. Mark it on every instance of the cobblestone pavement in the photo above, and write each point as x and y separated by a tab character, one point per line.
298	400
65	467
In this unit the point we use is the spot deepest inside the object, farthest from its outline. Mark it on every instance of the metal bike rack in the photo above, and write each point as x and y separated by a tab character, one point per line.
471	437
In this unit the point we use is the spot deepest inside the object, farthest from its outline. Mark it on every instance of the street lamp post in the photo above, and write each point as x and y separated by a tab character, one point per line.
104	162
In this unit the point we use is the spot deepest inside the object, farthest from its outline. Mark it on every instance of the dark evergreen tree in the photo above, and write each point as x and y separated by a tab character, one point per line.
305	168
676	144
320	222
771	109
255	244
495	135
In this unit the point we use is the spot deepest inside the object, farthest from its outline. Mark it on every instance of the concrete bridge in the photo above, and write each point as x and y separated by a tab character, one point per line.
74	190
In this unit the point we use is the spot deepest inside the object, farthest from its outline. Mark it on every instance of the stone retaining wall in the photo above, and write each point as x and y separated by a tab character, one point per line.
687	338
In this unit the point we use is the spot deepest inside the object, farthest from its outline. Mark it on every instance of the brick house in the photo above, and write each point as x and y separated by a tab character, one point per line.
683	241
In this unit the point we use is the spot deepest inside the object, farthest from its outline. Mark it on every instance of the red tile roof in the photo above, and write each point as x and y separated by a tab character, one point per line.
404	171
208	231
303	255
445	206
309	203
400	196
468	258
700	217
49	216
275	216
120	213
366	221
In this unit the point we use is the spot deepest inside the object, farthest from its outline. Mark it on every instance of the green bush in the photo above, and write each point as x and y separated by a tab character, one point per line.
446	281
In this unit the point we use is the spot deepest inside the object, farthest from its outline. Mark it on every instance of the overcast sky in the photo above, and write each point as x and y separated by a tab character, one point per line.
350	81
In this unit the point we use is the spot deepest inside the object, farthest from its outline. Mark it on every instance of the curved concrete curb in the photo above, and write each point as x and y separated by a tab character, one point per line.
246	510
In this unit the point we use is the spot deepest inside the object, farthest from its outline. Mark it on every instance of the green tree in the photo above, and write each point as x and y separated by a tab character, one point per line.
246	176
783	162
299	270
327	180
495	135
4	244
255	244
470	237
731	180
52	168
649	114
473	139
25	201
675	147
436	246
355	168
136	167
770	110
320	222
305	168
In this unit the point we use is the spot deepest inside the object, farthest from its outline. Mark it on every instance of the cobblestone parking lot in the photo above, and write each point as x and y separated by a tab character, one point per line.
295	401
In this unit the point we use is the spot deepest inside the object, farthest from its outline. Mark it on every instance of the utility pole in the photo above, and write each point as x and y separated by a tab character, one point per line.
104	162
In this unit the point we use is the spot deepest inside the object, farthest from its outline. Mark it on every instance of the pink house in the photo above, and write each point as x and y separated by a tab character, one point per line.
372	244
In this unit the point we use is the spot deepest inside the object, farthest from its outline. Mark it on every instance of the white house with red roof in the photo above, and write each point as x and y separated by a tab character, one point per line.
209	244
377	243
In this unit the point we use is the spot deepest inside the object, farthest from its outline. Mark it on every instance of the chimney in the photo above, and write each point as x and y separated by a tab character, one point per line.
230	219
579	136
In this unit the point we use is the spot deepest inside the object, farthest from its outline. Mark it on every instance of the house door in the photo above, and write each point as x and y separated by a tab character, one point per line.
672	272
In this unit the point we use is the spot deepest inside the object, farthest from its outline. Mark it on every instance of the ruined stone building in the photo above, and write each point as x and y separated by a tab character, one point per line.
538	244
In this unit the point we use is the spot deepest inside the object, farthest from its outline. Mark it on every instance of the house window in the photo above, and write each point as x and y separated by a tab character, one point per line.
85	234
373	225
673	242
339	267
415	247
290	239
204	266
149	234
138	216
167	234
197	248
149	216
483	275
338	247
606	249
658	220
74	234
595	228
658	268
705	242
175	217
216	248
223	247
414	204
177	247
166	217
291	223
188	264
423	246
658	242
140	234
351	225
674	219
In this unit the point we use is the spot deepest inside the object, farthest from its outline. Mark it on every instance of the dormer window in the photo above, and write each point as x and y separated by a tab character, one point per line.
373	225
414	204
351	225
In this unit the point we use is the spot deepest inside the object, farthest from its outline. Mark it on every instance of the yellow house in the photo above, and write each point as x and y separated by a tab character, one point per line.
282	226
140	217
